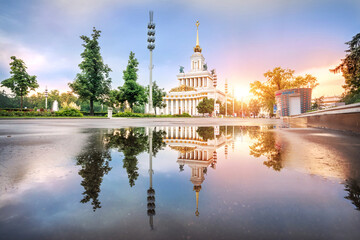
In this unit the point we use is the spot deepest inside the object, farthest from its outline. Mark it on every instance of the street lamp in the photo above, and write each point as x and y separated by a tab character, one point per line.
151	47
215	84
46	96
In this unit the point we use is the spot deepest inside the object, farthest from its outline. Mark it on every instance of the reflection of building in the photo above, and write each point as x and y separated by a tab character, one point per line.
194	86
293	101
196	148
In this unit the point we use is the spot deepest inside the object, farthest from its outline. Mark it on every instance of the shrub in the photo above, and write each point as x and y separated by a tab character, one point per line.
27	114
147	115
69	112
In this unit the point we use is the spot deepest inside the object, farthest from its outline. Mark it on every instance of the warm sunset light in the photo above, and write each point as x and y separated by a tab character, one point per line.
182	119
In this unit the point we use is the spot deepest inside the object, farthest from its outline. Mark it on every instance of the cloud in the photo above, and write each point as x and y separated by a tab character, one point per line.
35	60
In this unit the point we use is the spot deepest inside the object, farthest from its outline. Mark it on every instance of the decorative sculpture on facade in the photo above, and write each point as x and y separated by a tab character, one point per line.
181	70
205	66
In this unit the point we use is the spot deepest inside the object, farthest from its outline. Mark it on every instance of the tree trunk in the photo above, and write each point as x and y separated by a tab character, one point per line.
21	102
91	107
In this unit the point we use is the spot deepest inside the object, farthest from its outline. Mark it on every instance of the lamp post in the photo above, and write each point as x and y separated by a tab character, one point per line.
214	84
233	102
46	97
151	47
226	95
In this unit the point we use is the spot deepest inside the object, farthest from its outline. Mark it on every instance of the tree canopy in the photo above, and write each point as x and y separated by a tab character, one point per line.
279	79
350	69
131	92
93	83
254	106
206	106
20	82
157	96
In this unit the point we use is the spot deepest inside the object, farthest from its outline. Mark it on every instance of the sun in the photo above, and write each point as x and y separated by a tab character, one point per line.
241	92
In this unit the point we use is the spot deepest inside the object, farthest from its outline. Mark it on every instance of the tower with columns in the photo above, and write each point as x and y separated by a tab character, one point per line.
193	86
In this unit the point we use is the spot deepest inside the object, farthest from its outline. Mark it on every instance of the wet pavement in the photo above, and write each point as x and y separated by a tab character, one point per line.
228	179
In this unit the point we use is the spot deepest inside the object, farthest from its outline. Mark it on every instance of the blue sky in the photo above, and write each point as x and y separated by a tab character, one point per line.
241	39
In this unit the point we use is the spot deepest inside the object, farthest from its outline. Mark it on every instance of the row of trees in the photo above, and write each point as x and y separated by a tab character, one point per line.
93	83
91	86
253	107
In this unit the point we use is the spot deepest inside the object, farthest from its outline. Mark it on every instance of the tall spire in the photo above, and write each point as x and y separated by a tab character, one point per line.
197	47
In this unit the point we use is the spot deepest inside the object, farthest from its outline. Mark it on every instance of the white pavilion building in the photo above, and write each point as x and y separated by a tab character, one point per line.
194	86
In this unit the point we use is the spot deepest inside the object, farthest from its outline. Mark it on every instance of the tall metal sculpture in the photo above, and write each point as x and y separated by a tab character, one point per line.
151	47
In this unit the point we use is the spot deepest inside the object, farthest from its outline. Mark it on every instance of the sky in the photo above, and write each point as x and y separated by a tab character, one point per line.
240	39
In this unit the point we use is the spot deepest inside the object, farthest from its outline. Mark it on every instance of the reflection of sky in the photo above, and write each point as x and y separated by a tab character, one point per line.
242	197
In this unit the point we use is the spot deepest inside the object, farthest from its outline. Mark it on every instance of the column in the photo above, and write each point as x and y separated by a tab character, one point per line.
205	81
181	106
176	106
167	106
186	110
196	103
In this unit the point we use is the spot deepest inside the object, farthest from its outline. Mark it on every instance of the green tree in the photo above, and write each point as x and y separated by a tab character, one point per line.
157	96
350	69
93	83
279	79
206	106
317	103
20	82
132	92
254	106
68	97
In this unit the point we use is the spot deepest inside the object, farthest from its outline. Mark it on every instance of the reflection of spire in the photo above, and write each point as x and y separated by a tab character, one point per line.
197	190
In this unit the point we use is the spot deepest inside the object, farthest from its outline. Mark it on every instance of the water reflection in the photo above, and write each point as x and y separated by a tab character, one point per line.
135	174
94	161
266	144
197	149
353	189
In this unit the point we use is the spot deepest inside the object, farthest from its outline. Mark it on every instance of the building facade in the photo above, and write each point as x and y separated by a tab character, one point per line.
293	101
193	86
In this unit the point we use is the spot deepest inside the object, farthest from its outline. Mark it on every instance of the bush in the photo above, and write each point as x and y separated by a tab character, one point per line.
5	113
147	115
69	112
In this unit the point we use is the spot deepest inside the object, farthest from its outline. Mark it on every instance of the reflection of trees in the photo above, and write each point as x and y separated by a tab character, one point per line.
266	145
157	141
94	162
353	189
131	142
206	133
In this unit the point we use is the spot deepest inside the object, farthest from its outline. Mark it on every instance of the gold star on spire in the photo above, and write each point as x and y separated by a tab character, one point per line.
197	47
